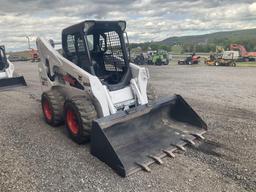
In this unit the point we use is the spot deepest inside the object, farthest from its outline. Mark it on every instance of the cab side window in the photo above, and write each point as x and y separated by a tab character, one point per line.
90	40
76	51
71	44
80	45
71	49
2	62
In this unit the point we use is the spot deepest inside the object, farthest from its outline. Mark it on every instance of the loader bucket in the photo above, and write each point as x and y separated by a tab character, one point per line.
12	82
129	141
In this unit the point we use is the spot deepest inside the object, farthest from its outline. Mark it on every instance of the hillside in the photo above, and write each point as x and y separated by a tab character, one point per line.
241	35
204	43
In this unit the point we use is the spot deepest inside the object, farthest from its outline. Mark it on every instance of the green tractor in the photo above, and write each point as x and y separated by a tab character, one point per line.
160	57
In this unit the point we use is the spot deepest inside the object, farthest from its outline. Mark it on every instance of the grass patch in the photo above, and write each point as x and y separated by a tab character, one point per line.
246	64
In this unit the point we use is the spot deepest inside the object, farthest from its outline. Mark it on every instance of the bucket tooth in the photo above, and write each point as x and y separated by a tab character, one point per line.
144	167
169	153
181	147
190	141
156	159
198	136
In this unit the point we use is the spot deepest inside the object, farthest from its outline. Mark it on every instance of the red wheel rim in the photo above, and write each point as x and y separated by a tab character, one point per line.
72	122
47	110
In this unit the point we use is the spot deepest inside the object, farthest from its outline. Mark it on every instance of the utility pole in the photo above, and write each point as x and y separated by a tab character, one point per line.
29	47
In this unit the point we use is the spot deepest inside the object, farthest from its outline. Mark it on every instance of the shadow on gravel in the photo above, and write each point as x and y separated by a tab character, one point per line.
225	165
209	148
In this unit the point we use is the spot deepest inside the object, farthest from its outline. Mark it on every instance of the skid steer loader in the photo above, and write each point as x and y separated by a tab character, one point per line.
7	77
104	98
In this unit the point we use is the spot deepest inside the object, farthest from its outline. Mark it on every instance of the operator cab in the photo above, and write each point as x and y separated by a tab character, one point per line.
99	47
3	60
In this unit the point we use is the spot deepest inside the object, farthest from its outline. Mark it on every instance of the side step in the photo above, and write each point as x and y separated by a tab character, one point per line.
132	140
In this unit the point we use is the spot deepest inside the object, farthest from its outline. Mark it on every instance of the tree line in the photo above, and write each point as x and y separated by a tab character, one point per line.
210	46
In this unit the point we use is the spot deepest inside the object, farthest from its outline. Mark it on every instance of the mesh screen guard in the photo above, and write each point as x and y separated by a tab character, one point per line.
113	57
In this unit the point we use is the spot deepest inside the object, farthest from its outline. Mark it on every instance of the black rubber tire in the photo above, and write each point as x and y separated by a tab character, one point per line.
150	62
151	93
85	113
56	102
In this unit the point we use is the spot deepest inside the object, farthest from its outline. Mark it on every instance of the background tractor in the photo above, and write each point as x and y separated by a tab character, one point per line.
34	55
191	60
159	57
226	58
243	53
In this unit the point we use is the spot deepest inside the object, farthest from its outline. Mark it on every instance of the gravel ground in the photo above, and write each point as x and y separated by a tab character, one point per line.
37	157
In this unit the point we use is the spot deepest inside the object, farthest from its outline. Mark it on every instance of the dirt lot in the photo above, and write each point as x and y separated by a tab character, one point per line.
36	157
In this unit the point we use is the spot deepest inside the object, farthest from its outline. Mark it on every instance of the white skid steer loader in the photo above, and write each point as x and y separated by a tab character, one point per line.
7	77
101	96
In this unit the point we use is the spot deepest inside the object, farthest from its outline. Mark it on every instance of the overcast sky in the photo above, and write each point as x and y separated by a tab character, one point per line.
147	20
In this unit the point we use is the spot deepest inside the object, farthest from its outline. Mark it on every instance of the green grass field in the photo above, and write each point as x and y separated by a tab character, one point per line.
246	64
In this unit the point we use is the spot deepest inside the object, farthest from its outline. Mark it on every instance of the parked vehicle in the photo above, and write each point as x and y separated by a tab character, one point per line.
191	60
226	58
7	75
